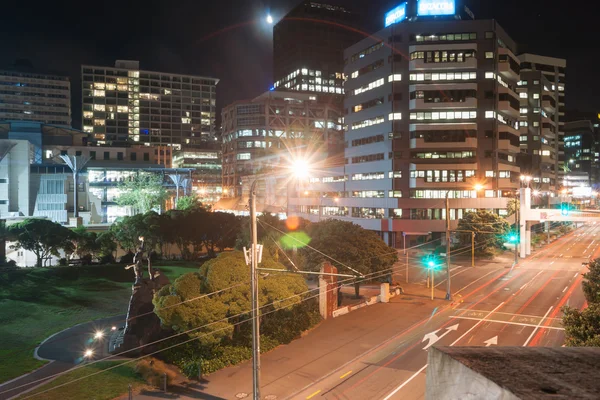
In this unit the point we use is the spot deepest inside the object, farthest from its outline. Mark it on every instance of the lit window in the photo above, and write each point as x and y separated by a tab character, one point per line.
489	75
111	86
395	116
536	95
243	156
536	123
99	93
489	114
524	123
99	122
524	110
489	193
122	109
88	129
395	78
523	95
545	152
49	154
489	174
185	120
88	114
122	88
354	75
167	91
489	54
99	107
99	85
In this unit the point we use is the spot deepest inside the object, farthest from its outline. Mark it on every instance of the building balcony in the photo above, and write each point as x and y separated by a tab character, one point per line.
422	144
506	108
505	70
548	106
51	198
505	145
420	104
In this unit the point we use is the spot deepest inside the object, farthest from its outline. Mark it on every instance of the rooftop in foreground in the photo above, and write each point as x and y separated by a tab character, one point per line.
536	372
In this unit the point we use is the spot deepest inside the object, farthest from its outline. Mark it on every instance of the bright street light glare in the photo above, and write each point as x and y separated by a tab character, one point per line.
88	353
114	328
536	192
431	264
98	335
478	187
269	19
300	169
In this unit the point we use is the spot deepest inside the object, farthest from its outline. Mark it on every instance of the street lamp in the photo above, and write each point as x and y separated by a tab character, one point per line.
300	170
526	179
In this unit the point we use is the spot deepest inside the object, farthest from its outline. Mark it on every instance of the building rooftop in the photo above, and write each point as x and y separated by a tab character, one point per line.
536	372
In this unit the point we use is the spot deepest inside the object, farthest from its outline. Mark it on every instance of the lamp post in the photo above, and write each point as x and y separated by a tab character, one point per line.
300	169
76	164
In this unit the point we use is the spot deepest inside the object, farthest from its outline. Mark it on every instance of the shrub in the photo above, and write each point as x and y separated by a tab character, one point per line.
153	372
62	262
126	258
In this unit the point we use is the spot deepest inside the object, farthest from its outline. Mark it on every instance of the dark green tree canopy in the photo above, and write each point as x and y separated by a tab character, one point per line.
41	236
143	193
490	231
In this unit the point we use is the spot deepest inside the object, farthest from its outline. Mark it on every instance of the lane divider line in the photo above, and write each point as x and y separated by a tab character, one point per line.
345	375
538	326
389	396
314	394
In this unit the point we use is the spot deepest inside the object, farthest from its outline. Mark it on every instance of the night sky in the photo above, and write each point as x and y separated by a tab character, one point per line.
230	40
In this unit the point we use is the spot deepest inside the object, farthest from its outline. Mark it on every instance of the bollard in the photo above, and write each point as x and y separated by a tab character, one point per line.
200	372
130	397
165	382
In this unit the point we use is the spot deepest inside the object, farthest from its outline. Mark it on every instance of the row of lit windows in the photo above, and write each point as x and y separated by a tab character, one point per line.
368	158
443	76
368	104
442	56
443	96
443	115
368	176
442	154
443	175
368	122
443	37
372	85
441	194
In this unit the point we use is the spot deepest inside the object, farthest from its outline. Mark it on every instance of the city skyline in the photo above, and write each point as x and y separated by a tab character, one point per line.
197	40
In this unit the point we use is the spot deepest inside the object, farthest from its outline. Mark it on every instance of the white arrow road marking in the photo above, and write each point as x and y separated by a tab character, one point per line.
433	337
491	341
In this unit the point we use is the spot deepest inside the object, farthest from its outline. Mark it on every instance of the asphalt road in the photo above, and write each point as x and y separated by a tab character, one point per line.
517	306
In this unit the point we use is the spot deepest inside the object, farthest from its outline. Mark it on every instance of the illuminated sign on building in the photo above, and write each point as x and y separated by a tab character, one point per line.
436	7
395	15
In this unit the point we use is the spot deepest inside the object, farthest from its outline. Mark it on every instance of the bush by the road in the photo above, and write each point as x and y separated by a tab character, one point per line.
153	372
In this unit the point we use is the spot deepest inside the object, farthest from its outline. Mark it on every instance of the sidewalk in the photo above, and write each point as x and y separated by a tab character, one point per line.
332	344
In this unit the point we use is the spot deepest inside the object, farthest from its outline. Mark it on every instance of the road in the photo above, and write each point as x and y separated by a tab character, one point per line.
517	306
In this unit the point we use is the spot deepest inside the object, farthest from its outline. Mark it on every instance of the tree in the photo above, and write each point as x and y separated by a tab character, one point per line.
582	328
512	206
183	306
127	230
490	231
190	203
40	236
220	231
107	246
591	282
350	248
143	193
85	242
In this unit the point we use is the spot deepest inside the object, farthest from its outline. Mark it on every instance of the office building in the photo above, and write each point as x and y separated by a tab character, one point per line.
308	47
541	90
26	95
35	182
206	163
582	150
432	111
124	104
259	135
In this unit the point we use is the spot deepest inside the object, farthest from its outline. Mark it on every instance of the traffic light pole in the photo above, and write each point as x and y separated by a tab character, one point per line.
448	290
518	223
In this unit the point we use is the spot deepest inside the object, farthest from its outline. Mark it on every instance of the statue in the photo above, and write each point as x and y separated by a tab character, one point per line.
138	263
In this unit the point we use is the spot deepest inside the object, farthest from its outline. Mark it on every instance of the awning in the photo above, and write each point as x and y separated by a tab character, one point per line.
416	233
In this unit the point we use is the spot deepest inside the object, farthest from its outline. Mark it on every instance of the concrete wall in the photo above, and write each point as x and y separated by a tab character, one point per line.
449	379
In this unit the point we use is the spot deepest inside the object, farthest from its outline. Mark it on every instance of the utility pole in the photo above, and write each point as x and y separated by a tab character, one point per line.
448	294
405	254
472	249
518	242
254	284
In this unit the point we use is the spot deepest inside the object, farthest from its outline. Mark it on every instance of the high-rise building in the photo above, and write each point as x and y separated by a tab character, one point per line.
308	47
541	90
26	95
207	165
126	104
582	150
259	134
432	111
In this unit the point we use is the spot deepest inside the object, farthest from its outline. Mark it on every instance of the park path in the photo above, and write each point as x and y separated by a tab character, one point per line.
64	350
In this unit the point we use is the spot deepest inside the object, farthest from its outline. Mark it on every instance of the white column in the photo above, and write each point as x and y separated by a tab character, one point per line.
528	238
525	206
384	293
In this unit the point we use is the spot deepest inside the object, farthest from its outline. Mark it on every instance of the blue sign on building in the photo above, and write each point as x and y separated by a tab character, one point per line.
395	15
436	7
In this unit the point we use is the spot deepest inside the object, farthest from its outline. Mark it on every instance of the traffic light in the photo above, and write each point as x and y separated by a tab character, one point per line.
564	208
431	261
513	237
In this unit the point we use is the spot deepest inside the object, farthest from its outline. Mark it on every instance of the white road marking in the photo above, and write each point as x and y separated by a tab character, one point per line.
552	262
538	326
433	337
505	313
498	321
452	276
491	272
405	383
475	326
491	341
575	276
565	289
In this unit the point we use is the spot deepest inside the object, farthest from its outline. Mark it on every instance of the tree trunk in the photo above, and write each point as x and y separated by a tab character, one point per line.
356	290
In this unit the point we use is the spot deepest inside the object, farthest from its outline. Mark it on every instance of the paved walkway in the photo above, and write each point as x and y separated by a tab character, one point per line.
64	350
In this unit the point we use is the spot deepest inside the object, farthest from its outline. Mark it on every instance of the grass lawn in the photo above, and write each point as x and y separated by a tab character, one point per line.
37	302
103	386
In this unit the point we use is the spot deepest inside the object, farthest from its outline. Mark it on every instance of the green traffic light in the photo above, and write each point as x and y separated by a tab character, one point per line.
513	238
431	264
